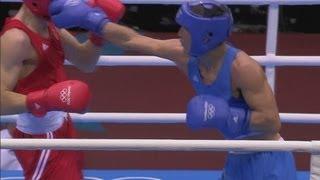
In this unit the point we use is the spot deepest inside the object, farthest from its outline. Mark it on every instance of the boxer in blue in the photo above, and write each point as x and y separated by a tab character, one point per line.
233	95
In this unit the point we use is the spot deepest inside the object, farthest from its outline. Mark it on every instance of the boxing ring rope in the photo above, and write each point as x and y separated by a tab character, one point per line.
269	60
162	145
164	118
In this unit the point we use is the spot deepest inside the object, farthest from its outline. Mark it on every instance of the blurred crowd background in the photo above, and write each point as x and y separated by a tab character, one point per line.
160	18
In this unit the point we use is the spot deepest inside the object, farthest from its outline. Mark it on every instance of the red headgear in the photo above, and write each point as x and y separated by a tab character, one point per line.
38	7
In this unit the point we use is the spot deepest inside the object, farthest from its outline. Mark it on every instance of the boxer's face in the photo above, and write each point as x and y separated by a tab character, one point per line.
185	39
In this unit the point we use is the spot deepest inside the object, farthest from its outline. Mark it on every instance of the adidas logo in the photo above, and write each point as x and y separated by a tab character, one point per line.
236	119
195	78
44	46
37	105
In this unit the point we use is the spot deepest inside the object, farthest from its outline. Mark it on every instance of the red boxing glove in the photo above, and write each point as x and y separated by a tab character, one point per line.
68	96
113	8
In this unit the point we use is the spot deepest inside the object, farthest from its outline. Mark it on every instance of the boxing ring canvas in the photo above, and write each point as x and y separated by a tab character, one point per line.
145	175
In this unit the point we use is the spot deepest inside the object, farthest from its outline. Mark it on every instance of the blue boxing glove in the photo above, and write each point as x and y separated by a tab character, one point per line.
77	13
205	111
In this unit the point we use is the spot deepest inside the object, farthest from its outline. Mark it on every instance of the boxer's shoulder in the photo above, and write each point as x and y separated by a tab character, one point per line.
17	36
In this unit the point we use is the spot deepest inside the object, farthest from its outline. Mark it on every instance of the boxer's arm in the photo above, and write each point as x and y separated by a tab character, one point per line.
66	15
15	47
251	80
83	55
131	40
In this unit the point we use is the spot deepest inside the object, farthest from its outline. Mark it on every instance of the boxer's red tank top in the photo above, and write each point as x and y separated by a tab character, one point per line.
50	58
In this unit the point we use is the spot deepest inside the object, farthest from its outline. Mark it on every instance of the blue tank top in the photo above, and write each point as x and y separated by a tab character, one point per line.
221	86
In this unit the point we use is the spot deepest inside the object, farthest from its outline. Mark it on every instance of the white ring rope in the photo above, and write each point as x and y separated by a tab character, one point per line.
163	118
237	2
269	60
161	145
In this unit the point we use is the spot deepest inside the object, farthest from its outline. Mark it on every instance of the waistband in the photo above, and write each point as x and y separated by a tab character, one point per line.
249	152
30	124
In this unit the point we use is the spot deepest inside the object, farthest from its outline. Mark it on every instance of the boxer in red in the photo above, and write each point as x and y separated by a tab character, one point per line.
34	85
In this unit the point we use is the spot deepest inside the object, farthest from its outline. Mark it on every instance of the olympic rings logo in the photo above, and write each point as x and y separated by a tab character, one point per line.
65	95
209	111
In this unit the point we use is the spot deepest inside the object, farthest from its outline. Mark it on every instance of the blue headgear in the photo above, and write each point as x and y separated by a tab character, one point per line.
206	32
